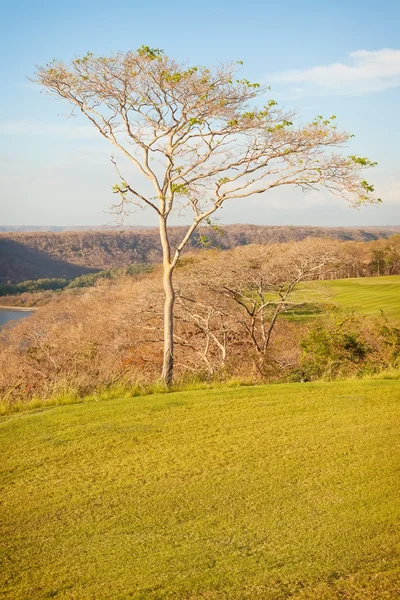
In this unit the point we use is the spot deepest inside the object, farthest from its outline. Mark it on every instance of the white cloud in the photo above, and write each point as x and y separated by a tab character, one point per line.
66	130
364	71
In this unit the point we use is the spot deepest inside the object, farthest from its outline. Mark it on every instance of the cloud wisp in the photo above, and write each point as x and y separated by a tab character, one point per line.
364	71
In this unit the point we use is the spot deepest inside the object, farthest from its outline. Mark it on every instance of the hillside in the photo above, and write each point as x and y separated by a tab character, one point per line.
265	492
68	254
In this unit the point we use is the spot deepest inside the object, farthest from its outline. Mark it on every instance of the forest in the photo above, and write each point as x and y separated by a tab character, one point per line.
69	254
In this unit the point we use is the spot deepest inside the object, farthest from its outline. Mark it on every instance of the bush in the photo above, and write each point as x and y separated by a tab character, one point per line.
38	285
351	345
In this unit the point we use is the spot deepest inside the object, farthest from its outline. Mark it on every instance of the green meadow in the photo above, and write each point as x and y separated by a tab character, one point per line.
265	492
363	295
366	295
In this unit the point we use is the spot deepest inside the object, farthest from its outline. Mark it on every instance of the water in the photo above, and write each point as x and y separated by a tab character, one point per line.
13	315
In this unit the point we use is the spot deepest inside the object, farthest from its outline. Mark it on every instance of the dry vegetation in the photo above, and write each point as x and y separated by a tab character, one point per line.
70	254
228	325
353	258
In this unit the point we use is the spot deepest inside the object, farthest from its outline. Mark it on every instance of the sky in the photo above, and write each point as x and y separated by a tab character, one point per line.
337	57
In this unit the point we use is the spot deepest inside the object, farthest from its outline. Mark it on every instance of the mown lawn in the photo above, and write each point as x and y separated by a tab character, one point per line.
363	295
368	295
269	492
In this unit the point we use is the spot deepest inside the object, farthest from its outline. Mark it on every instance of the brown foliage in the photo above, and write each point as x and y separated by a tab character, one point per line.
71	253
112	334
81	343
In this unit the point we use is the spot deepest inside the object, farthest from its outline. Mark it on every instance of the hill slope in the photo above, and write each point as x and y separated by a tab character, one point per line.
265	493
26	256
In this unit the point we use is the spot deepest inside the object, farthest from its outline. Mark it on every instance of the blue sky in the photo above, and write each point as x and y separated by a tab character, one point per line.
337	57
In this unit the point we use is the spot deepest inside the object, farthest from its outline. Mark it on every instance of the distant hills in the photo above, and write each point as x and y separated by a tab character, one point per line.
69	253
58	228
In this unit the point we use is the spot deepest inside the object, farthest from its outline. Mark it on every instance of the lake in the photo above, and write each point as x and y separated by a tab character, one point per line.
8	314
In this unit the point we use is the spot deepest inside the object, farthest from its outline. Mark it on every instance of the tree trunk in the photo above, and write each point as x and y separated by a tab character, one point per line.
168	365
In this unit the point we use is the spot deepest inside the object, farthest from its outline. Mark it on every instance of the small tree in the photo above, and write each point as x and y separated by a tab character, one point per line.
199	137
236	297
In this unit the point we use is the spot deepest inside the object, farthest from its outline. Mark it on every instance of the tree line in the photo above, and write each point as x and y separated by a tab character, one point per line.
66	255
58	284
352	259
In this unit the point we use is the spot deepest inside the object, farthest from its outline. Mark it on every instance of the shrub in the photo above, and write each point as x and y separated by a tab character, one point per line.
350	345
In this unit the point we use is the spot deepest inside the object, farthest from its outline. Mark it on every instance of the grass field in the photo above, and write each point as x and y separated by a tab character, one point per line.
367	295
268	492
363	295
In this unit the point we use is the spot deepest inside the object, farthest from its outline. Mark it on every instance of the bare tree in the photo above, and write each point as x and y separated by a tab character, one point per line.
248	288
270	287
211	322
199	137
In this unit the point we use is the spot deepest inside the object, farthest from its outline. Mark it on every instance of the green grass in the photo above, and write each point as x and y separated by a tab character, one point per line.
365	295
266	492
368	295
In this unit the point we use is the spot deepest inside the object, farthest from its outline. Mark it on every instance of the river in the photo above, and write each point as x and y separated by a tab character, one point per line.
10	314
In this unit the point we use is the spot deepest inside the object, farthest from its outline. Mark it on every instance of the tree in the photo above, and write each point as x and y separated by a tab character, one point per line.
237	296
199	137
